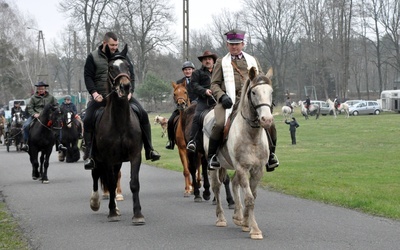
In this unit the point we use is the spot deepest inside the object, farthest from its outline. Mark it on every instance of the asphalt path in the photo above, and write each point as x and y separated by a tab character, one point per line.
57	215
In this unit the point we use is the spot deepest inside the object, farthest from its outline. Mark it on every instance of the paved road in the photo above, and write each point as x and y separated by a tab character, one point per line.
58	216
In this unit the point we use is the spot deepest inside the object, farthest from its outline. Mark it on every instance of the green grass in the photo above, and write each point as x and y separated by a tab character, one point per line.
10	235
352	163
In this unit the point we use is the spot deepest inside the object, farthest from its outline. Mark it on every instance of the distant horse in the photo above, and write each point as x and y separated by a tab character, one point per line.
314	110
246	150
42	139
287	112
118	139
341	107
14	134
163	123
70	135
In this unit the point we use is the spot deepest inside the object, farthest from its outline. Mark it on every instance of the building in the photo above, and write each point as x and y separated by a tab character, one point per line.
390	100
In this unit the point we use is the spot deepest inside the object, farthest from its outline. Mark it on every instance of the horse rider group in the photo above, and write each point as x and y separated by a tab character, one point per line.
217	83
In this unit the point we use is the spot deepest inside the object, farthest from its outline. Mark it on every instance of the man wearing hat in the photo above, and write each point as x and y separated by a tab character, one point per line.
201	82
226	82
36	105
187	69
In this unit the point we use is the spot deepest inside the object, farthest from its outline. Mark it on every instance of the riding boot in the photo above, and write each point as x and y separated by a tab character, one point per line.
150	153
25	146
213	163
273	161
87	157
171	134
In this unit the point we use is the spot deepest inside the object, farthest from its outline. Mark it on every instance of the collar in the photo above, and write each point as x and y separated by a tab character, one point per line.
237	57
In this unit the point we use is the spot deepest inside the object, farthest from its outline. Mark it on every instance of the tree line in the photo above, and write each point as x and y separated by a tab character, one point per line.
348	48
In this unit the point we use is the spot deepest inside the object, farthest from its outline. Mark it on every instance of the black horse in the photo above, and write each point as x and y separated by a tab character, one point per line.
14	133
42	136
118	139
71	130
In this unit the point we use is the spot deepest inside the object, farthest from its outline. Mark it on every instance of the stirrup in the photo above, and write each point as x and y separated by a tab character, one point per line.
273	163
213	163
191	146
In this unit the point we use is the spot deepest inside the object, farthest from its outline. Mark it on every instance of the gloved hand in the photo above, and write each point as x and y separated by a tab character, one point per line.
226	101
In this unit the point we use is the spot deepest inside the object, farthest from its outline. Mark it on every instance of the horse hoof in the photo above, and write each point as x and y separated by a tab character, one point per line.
94	201
206	197
197	198
186	195
221	224
237	222
138	221
231	206
106	196
119	197
257	236
114	218
45	181
245	229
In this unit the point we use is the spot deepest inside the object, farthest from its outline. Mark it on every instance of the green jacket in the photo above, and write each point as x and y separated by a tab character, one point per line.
37	103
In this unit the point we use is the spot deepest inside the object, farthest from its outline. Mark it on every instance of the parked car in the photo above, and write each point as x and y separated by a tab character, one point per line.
365	108
324	106
352	102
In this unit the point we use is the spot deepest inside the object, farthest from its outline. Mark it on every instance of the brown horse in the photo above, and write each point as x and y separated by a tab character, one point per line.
181	98
118	139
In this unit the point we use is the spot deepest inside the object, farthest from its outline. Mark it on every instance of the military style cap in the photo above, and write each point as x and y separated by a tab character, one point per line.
235	36
40	84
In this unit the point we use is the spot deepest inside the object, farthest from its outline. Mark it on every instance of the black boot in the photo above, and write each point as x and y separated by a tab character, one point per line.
25	146
273	161
150	153
171	134
87	157
213	163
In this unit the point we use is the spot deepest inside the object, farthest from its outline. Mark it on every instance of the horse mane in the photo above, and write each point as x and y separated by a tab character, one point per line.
243	92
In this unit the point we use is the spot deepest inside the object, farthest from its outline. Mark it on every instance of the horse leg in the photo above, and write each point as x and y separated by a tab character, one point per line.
216	186
138	218
95	198
238	212
44	165
119	196
35	164
111	183
206	181
186	172
250	193
41	164
229	198
194	162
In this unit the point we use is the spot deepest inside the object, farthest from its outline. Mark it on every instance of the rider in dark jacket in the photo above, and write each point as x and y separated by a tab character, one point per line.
96	78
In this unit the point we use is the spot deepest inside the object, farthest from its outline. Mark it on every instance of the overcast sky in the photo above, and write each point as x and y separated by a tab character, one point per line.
52	23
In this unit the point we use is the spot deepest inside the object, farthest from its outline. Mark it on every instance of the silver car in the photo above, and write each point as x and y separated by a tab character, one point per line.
324	107
365	108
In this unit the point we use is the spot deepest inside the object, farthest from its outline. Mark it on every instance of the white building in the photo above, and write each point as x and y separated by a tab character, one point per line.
390	100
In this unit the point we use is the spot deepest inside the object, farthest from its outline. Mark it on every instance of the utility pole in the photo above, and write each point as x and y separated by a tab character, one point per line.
41	38
185	30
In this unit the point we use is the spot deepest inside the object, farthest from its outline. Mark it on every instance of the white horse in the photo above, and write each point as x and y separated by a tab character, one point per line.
287	112
341	107
246	151
312	110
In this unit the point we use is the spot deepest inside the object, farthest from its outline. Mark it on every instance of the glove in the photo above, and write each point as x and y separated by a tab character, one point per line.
226	101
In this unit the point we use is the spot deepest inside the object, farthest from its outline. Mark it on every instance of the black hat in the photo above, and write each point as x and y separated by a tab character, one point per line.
235	36
40	84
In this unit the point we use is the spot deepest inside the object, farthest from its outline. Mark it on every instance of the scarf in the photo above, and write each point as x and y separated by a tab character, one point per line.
229	77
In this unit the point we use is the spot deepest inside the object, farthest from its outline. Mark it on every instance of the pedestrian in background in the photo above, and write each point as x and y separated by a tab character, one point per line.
293	126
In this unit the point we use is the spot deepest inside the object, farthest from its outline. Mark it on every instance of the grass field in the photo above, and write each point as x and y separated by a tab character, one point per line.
352	163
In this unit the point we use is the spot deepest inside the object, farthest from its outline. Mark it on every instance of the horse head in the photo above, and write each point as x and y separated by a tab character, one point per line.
17	119
118	72
181	96
258	99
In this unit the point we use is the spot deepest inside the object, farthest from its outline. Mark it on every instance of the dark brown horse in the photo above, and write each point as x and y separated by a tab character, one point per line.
118	139
192	161
42	137
72	127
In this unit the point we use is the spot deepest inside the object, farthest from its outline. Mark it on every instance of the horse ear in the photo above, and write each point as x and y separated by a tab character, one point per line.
252	73
173	84
124	51
270	73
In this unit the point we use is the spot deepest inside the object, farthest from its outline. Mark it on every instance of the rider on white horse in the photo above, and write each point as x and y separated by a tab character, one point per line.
289	103
308	103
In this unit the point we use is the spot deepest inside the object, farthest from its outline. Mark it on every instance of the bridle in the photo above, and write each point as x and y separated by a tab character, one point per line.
114	79
255	123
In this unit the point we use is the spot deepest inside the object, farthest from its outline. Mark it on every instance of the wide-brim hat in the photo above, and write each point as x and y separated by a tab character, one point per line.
235	36
208	53
41	84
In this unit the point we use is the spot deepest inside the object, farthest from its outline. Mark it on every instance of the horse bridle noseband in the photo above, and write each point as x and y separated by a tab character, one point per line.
255	122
